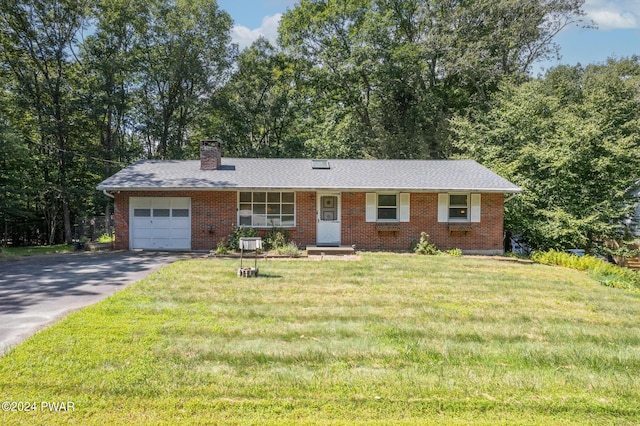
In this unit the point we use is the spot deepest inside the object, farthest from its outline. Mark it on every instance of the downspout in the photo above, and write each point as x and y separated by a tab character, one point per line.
509	198
104	191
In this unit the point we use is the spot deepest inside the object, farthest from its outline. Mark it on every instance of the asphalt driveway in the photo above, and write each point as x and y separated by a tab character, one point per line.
37	291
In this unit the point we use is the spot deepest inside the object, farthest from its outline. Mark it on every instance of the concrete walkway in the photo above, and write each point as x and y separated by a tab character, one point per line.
40	290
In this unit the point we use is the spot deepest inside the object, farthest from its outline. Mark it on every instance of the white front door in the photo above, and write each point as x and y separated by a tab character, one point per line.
329	213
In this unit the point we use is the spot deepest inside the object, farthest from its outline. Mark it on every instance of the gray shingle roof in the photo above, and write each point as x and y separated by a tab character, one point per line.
286	174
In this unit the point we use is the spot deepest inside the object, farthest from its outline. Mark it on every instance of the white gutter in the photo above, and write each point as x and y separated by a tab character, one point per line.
104	191
315	188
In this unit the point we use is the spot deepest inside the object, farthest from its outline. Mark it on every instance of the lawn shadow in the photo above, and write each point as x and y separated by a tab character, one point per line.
268	275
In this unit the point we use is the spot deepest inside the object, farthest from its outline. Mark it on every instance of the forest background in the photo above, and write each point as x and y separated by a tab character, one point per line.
89	87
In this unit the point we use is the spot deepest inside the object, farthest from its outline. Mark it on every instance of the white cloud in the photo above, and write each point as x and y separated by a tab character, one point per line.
613	14
245	36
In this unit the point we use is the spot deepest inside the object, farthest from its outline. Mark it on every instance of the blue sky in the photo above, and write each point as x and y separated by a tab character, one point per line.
618	33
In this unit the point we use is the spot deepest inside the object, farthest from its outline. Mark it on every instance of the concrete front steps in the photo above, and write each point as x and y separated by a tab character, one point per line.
330	251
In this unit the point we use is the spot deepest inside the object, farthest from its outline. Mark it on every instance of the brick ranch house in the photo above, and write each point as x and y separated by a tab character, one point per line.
372	204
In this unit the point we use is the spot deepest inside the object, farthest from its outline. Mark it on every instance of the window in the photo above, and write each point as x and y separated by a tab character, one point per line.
180	212
387	207
266	209
458	207
161	212
142	212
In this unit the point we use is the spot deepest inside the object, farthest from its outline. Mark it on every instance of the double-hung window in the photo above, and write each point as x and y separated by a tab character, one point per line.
458	207
266	209
387	207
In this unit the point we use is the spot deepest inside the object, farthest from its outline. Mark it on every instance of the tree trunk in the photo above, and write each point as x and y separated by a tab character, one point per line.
66	216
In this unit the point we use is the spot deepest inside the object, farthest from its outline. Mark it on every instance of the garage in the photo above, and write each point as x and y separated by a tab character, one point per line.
160	223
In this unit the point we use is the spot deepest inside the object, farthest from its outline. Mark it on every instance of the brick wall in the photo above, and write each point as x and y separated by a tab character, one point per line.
213	216
214	213
484	236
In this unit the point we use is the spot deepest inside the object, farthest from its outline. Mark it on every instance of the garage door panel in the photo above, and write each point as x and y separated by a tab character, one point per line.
160	223
143	243
141	202
180	241
180	223
162	243
180	233
181	203
142	233
142	222
161	203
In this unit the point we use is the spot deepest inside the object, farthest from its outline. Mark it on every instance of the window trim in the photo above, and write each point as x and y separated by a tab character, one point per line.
266	203
467	207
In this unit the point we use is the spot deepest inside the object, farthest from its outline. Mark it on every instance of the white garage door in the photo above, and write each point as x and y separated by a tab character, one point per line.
160	223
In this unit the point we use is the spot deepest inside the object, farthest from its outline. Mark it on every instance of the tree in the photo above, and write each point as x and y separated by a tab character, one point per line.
15	163
110	58
258	110
571	141
186	56
393	72
38	39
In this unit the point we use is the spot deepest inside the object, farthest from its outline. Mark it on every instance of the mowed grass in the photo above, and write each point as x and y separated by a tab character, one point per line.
388	339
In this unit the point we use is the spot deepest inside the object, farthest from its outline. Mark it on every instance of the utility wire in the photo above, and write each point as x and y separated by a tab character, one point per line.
78	154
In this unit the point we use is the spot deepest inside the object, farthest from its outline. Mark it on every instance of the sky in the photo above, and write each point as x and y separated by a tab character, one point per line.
617	34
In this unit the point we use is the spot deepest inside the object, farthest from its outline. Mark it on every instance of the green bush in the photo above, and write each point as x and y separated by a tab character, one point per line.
106	238
275	239
234	239
603	272
222	247
289	249
456	252
424	246
625	250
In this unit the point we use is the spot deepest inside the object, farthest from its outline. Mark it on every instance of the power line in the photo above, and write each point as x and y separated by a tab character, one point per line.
78	154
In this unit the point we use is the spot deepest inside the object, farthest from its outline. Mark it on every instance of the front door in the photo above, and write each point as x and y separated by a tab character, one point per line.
329	228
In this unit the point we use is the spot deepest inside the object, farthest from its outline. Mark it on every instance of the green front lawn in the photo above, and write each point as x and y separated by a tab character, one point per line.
386	339
11	252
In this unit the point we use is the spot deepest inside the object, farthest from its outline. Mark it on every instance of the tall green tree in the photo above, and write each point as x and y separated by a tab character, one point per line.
16	165
186	55
572	142
258	111
110	59
38	40
392	72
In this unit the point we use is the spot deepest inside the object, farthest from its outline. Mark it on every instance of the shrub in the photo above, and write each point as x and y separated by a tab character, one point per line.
275	239
289	249
234	239
424	246
623	251
603	272
106	238
222	247
456	252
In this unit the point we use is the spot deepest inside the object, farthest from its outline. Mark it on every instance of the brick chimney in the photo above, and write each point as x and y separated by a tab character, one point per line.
210	154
